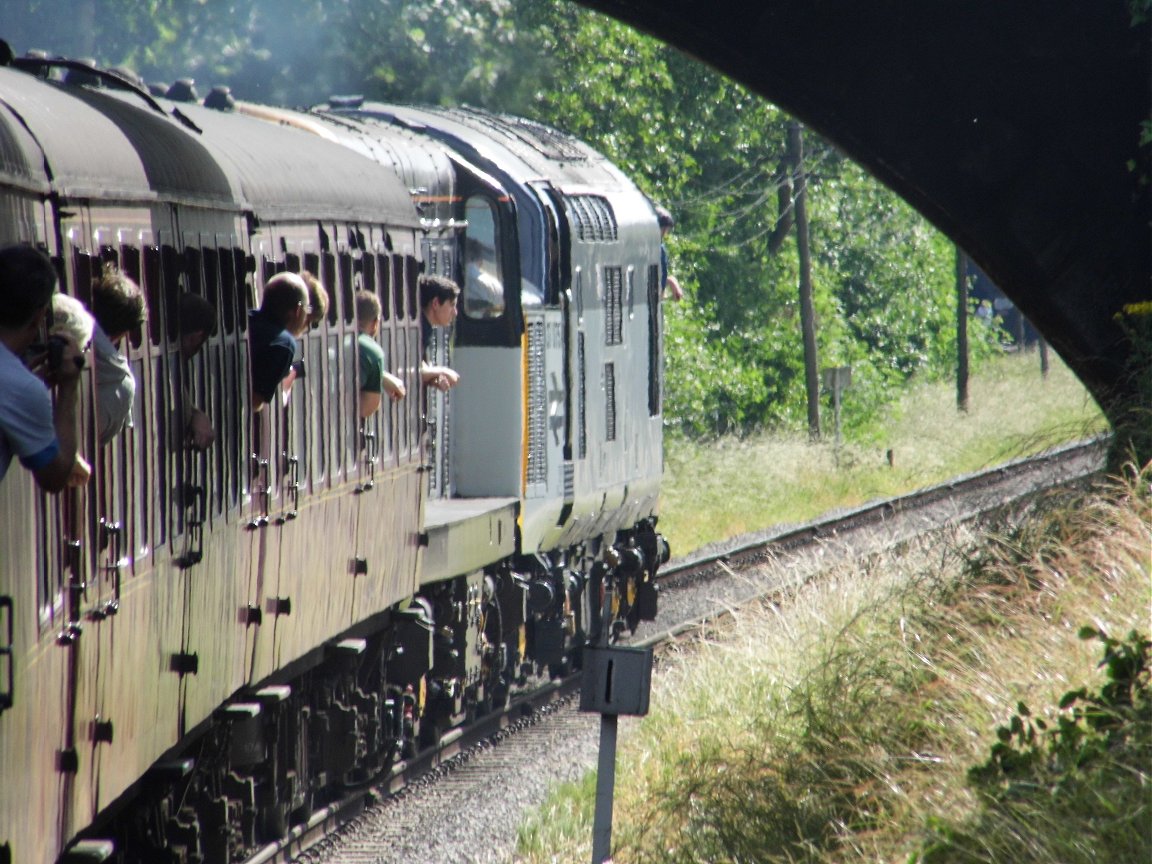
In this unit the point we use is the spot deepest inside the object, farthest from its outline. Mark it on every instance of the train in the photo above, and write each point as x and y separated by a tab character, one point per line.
201	648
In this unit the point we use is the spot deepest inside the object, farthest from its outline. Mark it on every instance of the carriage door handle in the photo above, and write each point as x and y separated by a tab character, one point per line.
114	536
292	471
8	693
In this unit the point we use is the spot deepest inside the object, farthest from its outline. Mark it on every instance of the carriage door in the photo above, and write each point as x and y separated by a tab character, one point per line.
265	439
438	260
79	512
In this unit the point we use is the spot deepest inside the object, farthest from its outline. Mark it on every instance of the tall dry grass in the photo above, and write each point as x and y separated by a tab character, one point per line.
725	488
843	726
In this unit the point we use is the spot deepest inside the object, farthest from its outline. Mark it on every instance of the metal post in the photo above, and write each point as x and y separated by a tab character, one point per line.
605	790
606	765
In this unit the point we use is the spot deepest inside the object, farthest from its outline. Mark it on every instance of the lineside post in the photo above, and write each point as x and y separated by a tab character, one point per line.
616	681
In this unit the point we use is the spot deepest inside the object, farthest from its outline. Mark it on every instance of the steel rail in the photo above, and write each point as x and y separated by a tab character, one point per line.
305	842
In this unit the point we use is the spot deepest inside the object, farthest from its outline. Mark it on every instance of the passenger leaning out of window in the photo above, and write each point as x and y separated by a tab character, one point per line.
283	315
42	435
438	300
118	307
375	379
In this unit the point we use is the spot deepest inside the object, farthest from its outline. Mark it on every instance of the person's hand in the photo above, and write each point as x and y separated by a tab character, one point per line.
200	431
81	472
674	287
441	377
394	387
446	378
59	363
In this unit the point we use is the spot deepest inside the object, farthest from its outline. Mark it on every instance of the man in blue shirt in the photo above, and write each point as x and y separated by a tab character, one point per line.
43	437
283	315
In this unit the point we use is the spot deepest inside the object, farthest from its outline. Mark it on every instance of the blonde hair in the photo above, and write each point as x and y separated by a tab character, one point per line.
70	318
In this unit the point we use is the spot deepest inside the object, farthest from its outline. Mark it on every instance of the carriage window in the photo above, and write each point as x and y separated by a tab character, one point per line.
192	269
347	289
171	281
228	281
368	268
151	286
84	271
483	278
398	285
412	281
212	277
129	258
385	280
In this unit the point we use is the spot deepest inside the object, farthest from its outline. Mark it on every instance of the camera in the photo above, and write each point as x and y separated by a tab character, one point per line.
54	348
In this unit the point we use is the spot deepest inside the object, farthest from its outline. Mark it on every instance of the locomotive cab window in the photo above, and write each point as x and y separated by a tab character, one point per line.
483	289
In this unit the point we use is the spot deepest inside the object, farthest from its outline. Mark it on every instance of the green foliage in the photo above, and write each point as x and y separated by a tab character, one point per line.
1077	786
1029	756
694	140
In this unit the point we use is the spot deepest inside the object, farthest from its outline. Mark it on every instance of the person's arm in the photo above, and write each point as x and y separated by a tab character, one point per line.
440	377
66	467
199	429
369	403
393	386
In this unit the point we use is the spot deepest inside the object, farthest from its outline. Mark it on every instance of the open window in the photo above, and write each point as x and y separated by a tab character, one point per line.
483	289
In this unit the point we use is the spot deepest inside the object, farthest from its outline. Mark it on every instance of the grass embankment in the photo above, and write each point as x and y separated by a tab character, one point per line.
731	487
859	721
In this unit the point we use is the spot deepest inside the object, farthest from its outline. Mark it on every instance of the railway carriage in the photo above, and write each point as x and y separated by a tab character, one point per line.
200	647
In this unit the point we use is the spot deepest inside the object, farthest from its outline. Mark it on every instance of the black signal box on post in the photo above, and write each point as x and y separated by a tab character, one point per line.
616	681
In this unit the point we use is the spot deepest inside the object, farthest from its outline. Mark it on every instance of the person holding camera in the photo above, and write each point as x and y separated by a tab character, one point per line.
42	435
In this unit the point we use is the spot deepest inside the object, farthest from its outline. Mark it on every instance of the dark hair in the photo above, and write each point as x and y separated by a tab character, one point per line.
197	315
27	283
433	287
283	293
117	302
663	217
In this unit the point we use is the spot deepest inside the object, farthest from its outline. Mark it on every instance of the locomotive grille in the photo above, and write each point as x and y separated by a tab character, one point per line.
613	306
537	471
593	217
609	401
653	340
582	408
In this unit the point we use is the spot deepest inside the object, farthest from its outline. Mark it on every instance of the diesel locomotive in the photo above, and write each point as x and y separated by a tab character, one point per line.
200	647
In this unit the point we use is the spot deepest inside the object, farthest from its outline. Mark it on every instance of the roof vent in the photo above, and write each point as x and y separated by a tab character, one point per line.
354	100
78	77
183	90
220	99
129	76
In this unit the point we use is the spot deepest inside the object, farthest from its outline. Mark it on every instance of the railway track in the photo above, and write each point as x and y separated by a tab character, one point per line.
406	814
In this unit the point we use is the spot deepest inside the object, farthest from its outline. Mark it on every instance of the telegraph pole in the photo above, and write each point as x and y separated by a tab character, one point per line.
961	330
795	152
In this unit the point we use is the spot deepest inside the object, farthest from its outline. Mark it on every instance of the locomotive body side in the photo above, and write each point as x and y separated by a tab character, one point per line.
579	437
555	430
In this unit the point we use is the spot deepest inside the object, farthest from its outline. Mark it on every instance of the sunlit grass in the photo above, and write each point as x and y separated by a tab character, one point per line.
731	487
841	727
